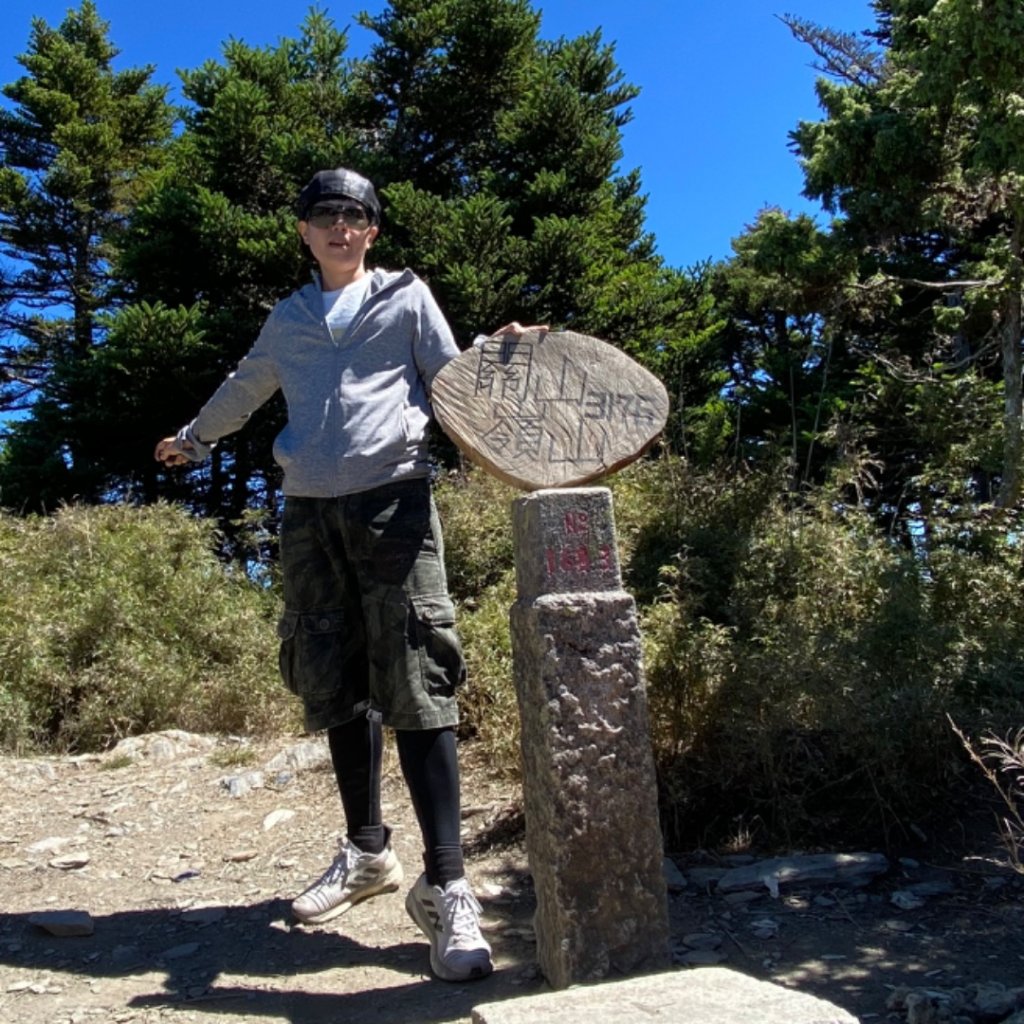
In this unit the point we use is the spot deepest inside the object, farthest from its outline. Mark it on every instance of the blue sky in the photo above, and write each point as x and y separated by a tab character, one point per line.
721	86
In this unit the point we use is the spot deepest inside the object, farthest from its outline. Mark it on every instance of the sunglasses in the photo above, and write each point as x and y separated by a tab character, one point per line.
326	215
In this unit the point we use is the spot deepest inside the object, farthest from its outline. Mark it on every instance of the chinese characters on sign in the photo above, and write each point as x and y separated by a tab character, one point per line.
542	409
570	421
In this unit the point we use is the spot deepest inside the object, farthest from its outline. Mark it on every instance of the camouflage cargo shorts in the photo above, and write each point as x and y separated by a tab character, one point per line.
368	622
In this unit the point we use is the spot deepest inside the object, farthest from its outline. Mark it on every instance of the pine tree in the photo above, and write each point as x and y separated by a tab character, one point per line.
216	238
500	156
78	148
780	297
920	159
496	155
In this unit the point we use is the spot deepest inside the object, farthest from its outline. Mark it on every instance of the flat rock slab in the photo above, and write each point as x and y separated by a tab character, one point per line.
855	869
549	409
704	995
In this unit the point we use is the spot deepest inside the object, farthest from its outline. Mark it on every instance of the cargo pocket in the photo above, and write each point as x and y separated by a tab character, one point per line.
312	651
442	665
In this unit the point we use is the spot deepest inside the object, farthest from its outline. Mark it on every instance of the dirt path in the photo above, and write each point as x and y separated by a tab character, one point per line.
188	889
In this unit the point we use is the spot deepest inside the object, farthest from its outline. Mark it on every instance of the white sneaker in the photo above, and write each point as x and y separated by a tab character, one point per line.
450	919
354	876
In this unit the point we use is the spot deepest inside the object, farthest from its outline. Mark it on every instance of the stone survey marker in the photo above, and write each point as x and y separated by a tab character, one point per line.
549	409
589	783
548	412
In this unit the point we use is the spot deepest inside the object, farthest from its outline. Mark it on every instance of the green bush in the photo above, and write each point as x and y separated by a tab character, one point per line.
488	704
116	620
476	516
801	664
476	513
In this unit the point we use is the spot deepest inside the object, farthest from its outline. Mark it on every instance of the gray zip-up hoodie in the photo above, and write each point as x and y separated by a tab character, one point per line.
358	409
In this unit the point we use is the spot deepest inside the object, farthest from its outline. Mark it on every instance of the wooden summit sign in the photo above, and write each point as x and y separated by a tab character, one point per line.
544	409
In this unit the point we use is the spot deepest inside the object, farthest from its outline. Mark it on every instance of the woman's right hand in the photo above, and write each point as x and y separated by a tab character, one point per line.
170	451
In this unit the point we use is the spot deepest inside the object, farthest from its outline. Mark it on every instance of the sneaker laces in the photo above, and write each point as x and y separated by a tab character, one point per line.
461	914
341	866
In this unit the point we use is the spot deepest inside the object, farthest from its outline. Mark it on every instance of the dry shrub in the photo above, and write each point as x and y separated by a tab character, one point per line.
801	664
117	620
476	513
1001	760
476	516
488	703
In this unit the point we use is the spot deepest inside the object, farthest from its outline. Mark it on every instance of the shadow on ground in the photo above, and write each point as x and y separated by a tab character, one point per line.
251	962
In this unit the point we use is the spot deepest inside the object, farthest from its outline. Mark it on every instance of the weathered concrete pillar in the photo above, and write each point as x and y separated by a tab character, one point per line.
592	830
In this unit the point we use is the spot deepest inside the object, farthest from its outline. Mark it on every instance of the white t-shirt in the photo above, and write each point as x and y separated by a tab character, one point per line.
340	306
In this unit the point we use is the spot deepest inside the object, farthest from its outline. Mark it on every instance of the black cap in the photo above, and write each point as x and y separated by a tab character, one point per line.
340	183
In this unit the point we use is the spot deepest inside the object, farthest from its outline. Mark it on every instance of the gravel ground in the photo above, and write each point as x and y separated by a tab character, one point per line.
185	852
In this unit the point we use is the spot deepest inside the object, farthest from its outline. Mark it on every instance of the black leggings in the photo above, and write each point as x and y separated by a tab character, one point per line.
430	766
